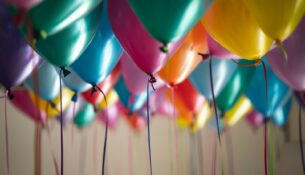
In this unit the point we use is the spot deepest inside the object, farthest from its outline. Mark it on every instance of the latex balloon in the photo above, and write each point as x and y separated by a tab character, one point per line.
237	85
136	122
105	85
25	104
85	116
74	82
52	16
232	25
202	117
136	41
131	102
280	115
240	109
277	18
76	38
112	112
71	111
185	60
222	71
159	104
216	50
255	119
112	98
53	110
291	71
183	123
277	91
17	59
24	4
103	53
174	18
46	82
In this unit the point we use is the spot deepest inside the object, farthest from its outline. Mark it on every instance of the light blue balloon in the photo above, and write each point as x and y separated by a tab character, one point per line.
47	82
222	72
75	83
280	115
131	102
277	90
101	56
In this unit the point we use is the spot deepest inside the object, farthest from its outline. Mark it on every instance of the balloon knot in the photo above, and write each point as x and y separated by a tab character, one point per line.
204	56
93	90
164	48
10	95
267	119
65	71
52	104
75	97
152	80
279	44
129	113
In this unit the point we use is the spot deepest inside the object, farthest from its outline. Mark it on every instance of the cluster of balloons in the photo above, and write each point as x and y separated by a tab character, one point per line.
119	46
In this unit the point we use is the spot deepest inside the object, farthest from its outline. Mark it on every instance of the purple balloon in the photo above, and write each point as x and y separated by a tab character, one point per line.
17	58
255	119
291	71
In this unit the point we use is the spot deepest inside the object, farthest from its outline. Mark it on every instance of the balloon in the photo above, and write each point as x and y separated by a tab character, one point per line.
216	50
291	71
85	116
25	104
158	103
17	59
173	18
280	115
277	18
255	119
53	109
185	60
75	83
222	72
101	56
136	122
277	91
112	98
46	81
24	4
240	109
49	17
202	117
232	25
136	41
70	112
105	85
64	47
236	86
131	102
112	112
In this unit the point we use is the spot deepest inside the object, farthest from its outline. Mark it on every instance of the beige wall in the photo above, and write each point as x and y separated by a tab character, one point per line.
247	148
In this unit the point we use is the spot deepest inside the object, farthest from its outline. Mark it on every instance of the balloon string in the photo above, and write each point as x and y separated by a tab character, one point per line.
106	131
6	134
271	151
37	143
130	154
214	99
214	158
175	131
73	116
279	44
151	80
61	126
94	150
265	149
52	151
301	138
230	153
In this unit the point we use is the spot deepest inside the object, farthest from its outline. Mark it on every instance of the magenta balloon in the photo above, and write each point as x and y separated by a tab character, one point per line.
24	4
113	112
255	119
216	50
141	47
25	104
291	71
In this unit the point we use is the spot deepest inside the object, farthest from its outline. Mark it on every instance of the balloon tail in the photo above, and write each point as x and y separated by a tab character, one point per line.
204	56
73	116
52	151
301	138
37	149
164	48
61	125
94	150
230	153
265	149
266	80
214	99
7	145
271	152
214	158
175	131
130	153
279	44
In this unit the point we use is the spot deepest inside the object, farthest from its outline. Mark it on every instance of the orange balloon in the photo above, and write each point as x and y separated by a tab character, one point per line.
185	60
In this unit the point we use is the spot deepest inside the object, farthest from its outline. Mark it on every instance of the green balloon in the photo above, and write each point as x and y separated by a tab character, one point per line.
169	20
52	16
85	116
64	47
236	86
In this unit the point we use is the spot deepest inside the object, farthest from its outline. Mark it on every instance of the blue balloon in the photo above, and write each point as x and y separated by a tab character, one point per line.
75	83
101	56
48	81
131	102
280	115
222	72
256	91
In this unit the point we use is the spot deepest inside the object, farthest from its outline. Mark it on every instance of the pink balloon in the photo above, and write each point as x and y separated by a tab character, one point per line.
255	119
216	50
25	104
291	71
113	115
141	47
134	78
160	105
24	4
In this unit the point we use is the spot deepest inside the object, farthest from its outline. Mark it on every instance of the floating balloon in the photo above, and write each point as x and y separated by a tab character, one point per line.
232	25
202	117
255	119
159	104
70	112
101	56
24	4
140	46
174	18
105	86
85	116
217	51
277	18
112	112
112	98
291	71
185	60
136	122
75	83
237	85
17	59
222	71
45	81
280	115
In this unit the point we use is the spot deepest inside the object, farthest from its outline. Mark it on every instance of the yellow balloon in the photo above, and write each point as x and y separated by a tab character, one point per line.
231	24
182	122
242	107
202	117
277	18
112	97
53	111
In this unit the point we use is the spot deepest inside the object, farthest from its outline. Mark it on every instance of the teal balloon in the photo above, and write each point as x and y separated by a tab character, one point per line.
256	91
47	82
222	72
64	47
169	20
103	53
130	101
85	116
280	115
75	83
